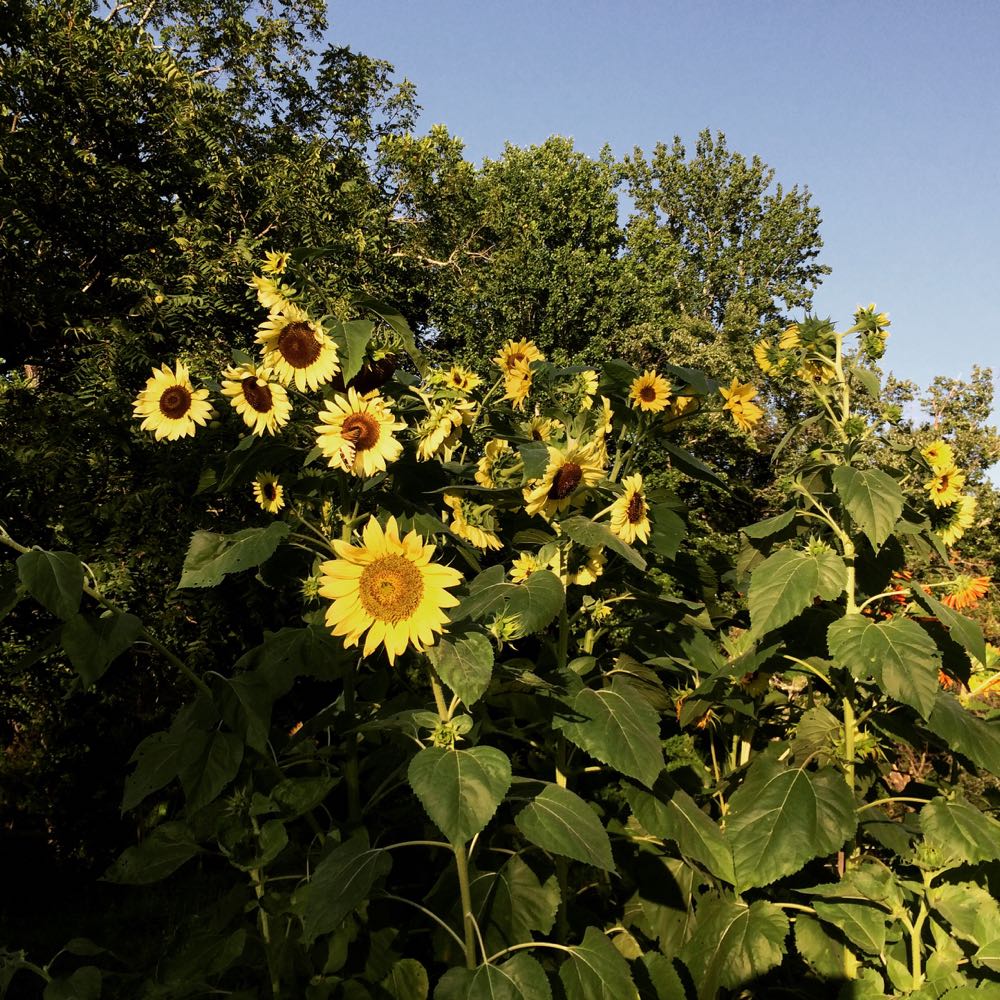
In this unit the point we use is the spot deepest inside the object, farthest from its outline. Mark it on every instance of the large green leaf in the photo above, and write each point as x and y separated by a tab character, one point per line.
158	856
592	534
898	653
407	980
770	525
519	978
827	956
559	821
340	883
786	583
963	630
966	733
859	905
972	912
355	334
82	984
206	776
872	498
682	459
295	652
671	814
460	789
210	556
959	830
861	922
618	727
391	315
509	905
54	579
465	663
734	944
596	971
535	602
668	531
664	977
781	817
92	644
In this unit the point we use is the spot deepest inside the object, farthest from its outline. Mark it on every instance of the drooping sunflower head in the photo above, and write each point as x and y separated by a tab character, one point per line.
296	350
268	492
170	406
517	384
945	485
789	339
965	591
938	454
499	466
958	518
260	401
524	565
769	357
630	512
474	522
650	392
388	587
517	352
271	294
738	401
570	472
440	432
581	390
356	433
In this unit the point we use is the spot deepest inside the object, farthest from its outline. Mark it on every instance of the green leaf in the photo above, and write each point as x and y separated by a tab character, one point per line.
899	654
460	789
671	814
664	977
669	529
158	856
246	701
786	583
204	778
596	971
972	912
83	984
960	831
770	525
465	663
92	644
534	459
512	903
356	335
536	602
782	817
734	944
559	821
861	922
988	955
394	318
617	726
210	556
591	534
694	467
825	955
54	579
340	883
963	630
407	980
290	653
296	796
872	498
966	733
519	978
868	379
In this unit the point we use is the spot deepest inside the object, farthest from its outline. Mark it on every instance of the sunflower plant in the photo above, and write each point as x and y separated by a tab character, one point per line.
493	742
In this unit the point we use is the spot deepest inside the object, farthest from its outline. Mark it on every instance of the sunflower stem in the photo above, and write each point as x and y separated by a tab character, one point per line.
351	774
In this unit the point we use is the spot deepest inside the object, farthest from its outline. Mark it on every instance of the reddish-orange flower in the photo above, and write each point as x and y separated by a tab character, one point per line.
966	591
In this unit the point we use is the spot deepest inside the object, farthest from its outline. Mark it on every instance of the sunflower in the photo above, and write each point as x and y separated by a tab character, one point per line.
439	433
295	349
938	454
473	522
170	405
958	518
583	388
790	339
569	472
268	492
275	262
517	384
515	353
524	565
578	566
816	371
539	428
460	379
680	405
630	512
965	591
945	486
650	392
356	433
272	295
769	357
499	464
262	404
389	587
738	401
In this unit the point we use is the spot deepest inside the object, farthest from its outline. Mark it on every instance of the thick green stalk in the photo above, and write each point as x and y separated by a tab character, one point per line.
462	867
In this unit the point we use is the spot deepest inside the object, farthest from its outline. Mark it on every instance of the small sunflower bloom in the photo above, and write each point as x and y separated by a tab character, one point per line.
439	433
584	388
170	406
945	485
524	565
356	433
461	379
570	471
540	428
630	512
517	384
275	262
389	588
515	353
959	518
473	522
296	350
261	403
577	566
738	401
272	295
965	591
649	392
268	492
938	454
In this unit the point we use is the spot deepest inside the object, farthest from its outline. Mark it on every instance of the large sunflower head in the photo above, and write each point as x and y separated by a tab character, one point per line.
649	392
945	485
356	433
630	512
296	350
170	406
268	492
738	401
262	403
389	588
517	352
540	428
958	519
571	470
769	357
474	522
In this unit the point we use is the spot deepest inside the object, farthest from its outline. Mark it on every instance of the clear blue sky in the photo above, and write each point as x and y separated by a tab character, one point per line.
888	111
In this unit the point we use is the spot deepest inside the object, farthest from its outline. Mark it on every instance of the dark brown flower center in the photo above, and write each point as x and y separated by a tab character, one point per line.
390	588
269	490
636	509
647	394
361	429
565	481
299	345
175	402
536	434
513	359
258	396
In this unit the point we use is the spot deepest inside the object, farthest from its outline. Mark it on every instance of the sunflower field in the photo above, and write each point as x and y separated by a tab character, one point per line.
482	724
